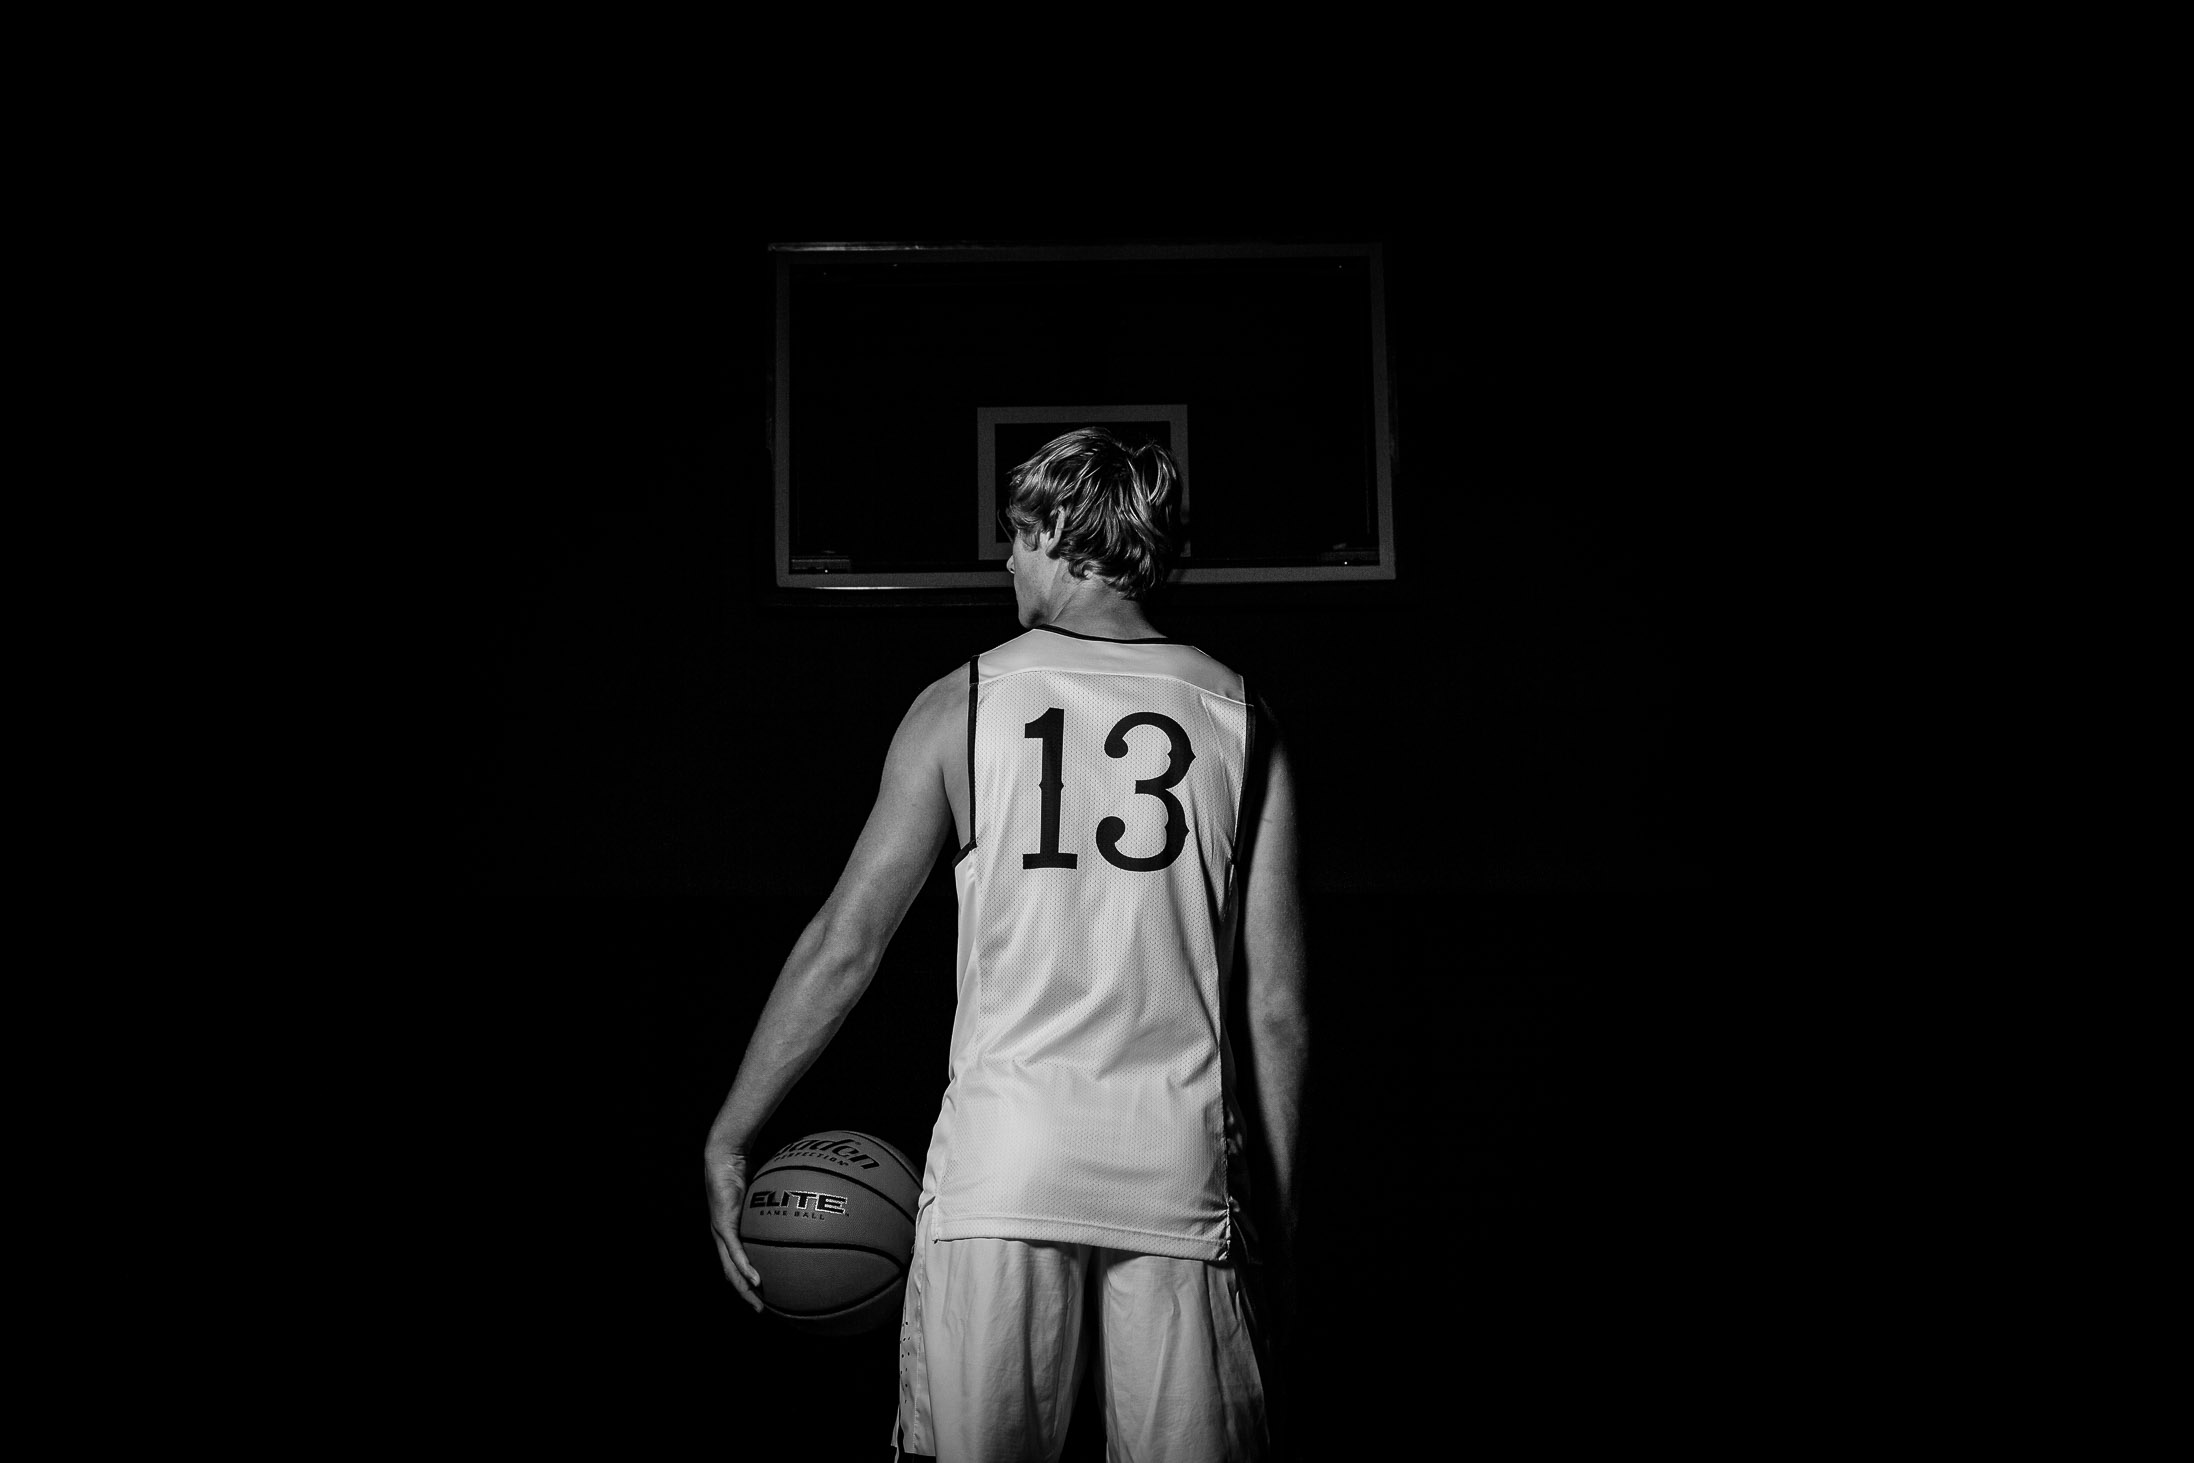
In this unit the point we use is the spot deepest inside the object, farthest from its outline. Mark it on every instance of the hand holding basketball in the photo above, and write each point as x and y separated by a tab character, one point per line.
726	1172
830	1223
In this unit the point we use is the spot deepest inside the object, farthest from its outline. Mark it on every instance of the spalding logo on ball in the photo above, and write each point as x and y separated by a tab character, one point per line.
829	1221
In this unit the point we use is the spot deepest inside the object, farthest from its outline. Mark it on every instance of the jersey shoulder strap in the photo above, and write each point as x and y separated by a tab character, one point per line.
972	678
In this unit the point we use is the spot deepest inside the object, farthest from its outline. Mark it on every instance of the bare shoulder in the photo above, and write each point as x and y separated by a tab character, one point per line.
941	698
1271	738
933	724
1269	797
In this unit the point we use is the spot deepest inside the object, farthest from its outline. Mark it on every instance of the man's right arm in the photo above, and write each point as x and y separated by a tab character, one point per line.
837	955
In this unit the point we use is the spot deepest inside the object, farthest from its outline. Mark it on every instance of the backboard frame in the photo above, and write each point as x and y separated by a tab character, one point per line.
832	575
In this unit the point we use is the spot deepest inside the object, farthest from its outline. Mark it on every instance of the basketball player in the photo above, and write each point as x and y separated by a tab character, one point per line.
1127	883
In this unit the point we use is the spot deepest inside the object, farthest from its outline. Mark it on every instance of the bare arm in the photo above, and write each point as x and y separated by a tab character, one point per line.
1275	1008
834	959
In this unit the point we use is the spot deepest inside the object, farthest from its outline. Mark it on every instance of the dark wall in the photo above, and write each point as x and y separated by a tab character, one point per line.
1532	826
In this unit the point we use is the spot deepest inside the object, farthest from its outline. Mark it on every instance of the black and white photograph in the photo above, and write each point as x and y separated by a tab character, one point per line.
1089	833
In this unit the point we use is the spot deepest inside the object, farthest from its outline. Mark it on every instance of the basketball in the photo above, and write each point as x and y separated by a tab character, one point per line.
829	1221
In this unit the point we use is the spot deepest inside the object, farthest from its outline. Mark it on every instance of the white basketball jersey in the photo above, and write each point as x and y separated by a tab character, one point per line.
1091	1093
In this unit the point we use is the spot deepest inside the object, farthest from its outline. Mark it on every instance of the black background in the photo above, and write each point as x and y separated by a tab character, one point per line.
1544	822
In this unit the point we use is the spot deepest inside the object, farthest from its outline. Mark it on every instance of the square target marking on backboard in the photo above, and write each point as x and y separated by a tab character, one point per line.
1007	436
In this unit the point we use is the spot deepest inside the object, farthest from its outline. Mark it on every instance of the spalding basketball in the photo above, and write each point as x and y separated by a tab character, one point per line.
829	1221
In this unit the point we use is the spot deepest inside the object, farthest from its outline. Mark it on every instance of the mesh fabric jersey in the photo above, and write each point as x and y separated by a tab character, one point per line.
1091	1089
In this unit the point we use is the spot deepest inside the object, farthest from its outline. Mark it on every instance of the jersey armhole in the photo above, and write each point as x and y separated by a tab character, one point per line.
1249	764
971	680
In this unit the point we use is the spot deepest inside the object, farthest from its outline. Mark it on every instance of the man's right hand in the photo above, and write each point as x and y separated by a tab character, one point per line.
726	1171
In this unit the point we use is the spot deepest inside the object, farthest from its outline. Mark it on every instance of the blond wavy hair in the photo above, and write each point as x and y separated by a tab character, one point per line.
1119	505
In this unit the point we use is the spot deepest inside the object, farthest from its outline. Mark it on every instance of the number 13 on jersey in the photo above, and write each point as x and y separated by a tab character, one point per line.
1051	730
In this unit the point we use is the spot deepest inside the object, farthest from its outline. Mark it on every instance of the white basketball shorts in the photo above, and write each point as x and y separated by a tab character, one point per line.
995	1334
